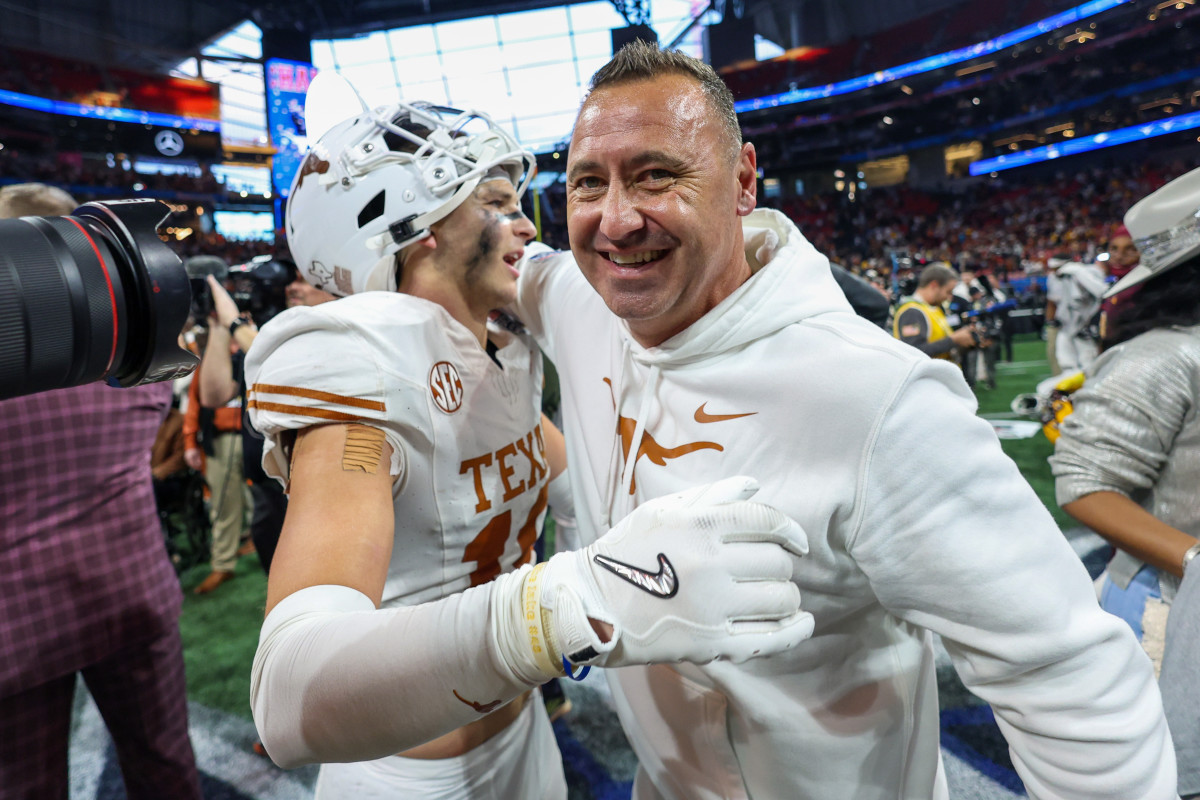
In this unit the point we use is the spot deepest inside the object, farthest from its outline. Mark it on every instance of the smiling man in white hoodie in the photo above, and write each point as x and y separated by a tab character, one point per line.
406	625
699	338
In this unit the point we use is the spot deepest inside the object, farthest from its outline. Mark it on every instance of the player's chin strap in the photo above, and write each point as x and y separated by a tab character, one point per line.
483	154
404	232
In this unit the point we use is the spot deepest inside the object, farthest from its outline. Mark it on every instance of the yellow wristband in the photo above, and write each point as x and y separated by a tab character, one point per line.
535	620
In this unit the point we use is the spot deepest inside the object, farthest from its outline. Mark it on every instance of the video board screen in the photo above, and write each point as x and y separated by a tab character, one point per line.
244	225
287	83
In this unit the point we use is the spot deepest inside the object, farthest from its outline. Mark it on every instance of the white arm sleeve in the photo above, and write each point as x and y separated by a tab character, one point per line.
336	679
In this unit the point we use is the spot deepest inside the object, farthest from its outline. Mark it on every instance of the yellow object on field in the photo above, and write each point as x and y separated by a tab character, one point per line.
1060	406
1070	383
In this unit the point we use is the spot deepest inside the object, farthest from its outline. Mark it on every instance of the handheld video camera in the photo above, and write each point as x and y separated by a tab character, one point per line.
989	320
260	286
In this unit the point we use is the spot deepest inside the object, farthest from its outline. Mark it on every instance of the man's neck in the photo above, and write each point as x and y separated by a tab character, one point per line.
427	285
925	297
652	333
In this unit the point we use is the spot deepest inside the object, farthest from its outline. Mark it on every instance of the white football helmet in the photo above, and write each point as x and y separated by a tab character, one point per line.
374	183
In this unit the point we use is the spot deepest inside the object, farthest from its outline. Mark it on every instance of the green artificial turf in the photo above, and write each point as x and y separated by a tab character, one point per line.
220	634
220	629
1028	367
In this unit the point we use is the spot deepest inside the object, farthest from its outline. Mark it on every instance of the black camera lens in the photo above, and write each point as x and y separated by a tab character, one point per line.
202	303
94	295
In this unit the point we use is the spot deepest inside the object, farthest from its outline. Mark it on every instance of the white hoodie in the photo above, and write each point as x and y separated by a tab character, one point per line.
916	521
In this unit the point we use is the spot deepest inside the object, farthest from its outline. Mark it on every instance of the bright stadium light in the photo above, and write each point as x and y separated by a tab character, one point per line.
1072	147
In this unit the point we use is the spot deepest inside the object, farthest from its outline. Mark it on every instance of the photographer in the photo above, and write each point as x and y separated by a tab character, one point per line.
985	309
86	587
222	382
213	434
921	319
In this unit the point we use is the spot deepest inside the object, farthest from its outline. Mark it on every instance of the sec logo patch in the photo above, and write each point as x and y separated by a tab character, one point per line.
446	386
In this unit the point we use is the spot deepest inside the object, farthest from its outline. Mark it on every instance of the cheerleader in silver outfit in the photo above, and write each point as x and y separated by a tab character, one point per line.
1127	463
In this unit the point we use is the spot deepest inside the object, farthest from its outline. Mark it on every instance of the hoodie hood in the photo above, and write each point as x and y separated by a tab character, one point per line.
790	281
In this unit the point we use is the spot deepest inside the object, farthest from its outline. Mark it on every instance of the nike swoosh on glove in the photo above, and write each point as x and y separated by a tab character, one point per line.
695	576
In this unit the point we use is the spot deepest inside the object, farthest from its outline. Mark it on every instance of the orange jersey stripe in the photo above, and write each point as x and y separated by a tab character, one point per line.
314	394
302	411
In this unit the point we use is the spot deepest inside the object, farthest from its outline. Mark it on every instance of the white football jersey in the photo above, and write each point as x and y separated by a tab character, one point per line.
468	455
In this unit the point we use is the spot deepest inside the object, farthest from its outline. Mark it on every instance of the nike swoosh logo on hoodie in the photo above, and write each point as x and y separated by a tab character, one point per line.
703	416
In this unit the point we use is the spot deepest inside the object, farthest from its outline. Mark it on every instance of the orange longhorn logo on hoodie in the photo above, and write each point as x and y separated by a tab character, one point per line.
652	449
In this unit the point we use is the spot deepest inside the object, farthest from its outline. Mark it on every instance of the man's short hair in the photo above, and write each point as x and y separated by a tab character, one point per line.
936	273
639	61
34	200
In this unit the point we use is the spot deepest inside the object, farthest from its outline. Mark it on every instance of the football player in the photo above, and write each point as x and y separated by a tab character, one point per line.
405	626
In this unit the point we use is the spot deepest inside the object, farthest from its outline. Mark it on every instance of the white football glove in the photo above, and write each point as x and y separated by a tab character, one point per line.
694	576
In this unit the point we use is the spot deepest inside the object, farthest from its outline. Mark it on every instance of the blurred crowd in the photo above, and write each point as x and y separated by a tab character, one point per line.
1007	226
94	179
79	172
1003	226
929	34
64	79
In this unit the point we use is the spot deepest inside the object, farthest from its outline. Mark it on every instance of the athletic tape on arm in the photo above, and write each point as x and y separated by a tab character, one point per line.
363	449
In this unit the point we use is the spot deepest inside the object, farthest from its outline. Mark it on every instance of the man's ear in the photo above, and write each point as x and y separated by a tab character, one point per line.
747	180
406	255
429	241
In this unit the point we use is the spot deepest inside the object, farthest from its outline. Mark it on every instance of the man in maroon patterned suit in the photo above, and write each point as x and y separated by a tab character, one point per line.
85	583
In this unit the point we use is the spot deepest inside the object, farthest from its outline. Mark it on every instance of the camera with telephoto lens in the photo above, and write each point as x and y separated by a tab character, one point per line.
989	320
89	296
258	287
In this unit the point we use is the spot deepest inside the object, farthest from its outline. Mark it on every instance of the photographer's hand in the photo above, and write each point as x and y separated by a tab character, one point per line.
226	312
224	309
964	338
217	383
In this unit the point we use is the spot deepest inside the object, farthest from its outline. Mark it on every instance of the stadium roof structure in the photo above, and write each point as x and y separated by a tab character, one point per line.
155	35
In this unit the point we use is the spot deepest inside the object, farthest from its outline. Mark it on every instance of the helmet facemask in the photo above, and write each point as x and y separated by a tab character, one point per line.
385	176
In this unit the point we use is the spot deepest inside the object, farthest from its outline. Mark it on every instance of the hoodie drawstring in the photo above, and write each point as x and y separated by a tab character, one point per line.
614	455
